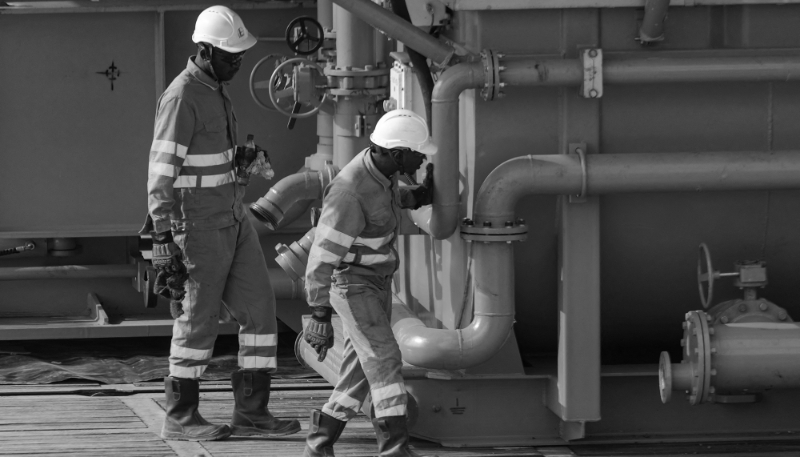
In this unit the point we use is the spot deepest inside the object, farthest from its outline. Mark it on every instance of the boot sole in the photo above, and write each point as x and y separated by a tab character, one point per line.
237	430
185	438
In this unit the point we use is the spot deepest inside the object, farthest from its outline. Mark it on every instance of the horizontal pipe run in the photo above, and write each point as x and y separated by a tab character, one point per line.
188	6
284	287
398	29
646	68
69	272
627	173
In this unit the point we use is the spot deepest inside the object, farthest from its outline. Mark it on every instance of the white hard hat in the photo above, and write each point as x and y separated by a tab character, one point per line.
402	128
221	27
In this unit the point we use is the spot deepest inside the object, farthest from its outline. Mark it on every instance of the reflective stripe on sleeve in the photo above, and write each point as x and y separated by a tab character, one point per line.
163	169
207	160
330	233
249	339
189	353
323	256
169	147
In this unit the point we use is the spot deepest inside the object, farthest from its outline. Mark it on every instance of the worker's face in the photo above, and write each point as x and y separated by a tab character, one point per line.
409	160
225	64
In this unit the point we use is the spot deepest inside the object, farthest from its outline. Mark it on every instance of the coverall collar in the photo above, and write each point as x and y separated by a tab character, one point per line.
200	75
373	170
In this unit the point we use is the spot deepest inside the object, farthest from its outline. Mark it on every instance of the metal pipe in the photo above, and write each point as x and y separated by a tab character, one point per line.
618	173
272	208
633	69
69	272
477	343
325	14
151	8
446	172
398	29
652	29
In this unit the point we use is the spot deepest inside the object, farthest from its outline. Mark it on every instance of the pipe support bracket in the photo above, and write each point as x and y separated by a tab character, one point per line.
592	73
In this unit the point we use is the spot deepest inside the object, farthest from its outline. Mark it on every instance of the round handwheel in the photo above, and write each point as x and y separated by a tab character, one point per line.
275	60
304	35
704	260
283	84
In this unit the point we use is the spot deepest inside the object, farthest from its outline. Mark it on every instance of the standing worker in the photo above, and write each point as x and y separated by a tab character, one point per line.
201	236
350	268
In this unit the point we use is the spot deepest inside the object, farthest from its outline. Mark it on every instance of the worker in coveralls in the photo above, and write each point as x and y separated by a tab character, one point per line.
201	235
350	268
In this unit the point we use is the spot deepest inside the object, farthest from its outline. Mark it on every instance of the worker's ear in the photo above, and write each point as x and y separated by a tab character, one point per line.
205	51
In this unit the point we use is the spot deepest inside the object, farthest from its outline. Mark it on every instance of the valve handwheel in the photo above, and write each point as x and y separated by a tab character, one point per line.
275	59
284	84
704	259
304	35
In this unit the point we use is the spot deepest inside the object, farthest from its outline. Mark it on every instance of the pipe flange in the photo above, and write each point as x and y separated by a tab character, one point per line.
486	233
697	352
491	75
379	92
740	311
369	70
289	262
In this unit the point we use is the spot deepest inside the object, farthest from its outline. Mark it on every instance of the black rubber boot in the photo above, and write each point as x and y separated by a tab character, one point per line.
183	421
323	431
250	415
392	432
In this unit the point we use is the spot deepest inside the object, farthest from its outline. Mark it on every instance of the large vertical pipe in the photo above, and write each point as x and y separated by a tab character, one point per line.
355	48
446	171
325	13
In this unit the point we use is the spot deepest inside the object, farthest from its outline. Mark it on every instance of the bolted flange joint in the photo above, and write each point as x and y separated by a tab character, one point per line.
511	230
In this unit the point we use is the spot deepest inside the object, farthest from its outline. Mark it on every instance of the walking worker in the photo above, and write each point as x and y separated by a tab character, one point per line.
201	235
349	270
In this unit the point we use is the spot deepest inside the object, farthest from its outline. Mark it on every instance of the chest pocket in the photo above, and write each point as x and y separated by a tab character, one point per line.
216	124
380	215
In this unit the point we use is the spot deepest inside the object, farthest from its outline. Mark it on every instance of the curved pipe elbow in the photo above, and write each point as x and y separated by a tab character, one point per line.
449	349
275	208
520	176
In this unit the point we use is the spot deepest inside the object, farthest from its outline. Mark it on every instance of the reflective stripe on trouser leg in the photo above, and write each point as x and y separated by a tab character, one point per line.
351	389
208	255
366	311
250	300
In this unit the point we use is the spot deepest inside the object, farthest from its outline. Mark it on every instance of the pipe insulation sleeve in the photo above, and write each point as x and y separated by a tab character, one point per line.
628	173
480	340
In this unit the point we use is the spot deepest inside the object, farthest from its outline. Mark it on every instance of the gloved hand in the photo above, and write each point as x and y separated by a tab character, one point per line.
319	331
423	194
171	273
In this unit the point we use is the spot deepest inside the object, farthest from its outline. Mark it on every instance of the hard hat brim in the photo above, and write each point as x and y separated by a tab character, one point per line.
428	148
248	43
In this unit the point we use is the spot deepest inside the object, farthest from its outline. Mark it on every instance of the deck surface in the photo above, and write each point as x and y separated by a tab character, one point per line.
125	422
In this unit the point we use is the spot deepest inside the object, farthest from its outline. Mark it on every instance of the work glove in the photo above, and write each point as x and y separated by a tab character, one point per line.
171	273
319	331
423	194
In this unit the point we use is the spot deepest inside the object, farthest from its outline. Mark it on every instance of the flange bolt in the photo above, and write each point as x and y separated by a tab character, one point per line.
487	223
520	221
763	306
509	223
468	221
782	316
742	308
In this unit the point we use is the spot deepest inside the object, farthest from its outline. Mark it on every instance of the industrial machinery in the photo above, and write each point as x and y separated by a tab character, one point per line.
585	148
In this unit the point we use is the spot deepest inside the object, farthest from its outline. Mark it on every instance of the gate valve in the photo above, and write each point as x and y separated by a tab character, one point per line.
749	276
272	61
304	35
303	83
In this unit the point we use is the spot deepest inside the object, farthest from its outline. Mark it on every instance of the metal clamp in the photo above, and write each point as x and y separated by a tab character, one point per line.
580	150
592	73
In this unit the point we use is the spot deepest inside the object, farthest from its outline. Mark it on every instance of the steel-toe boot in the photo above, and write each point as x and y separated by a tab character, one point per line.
323	431
392	433
250	415
183	421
